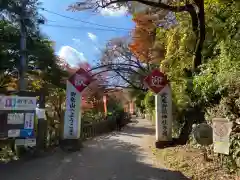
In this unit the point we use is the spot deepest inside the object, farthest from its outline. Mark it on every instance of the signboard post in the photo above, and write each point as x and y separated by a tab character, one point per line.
221	133
19	114
72	120
159	84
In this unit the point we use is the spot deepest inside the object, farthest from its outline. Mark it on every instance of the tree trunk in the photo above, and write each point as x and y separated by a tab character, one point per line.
193	115
185	131
200	35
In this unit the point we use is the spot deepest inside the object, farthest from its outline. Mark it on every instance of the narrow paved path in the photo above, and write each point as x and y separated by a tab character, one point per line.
122	155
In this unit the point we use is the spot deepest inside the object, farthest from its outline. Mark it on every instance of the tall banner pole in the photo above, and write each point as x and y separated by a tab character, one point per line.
72	119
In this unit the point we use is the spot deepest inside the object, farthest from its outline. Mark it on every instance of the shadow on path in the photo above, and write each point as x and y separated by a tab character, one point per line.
142	130
111	157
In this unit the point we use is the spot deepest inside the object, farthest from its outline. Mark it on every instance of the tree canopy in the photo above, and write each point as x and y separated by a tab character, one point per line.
41	60
194	8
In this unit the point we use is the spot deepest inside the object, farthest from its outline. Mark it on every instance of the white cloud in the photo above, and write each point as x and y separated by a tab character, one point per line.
114	11
77	41
71	55
97	49
92	36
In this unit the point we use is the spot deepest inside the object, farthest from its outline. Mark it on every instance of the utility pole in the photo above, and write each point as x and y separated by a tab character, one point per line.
23	54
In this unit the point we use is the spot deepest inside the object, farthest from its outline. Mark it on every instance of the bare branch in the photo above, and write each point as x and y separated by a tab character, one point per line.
119	71
125	87
111	65
149	3
125	79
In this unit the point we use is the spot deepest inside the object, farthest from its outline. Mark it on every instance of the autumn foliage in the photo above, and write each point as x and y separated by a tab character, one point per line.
92	95
143	37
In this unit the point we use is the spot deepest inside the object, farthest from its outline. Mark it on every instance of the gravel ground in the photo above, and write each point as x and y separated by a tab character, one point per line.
191	163
124	155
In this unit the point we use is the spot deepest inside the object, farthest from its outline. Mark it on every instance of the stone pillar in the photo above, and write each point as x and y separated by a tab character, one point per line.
163	110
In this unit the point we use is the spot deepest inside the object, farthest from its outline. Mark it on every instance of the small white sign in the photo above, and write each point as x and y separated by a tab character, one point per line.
25	142
29	121
221	133
41	113
30	142
14	133
17	103
15	118
19	142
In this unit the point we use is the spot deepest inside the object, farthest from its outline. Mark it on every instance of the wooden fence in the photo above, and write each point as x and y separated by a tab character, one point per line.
95	129
104	126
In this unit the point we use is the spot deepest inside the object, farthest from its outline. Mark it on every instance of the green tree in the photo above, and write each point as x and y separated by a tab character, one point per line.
41	60
44	69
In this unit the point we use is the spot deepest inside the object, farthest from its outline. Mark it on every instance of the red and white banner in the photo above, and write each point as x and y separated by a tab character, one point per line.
72	120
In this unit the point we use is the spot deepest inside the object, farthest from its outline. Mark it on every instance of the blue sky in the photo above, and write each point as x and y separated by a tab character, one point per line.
83	43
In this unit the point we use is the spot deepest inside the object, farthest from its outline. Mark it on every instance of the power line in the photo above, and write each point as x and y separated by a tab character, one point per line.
75	19
83	28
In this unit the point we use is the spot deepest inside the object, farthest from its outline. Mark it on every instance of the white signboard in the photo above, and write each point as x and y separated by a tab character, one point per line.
14	133
72	119
15	118
29	121
25	142
19	142
30	142
17	103
41	113
221	132
163	109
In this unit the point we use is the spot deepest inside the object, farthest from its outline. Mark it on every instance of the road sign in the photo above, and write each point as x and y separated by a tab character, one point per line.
80	80
26	133
156	81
